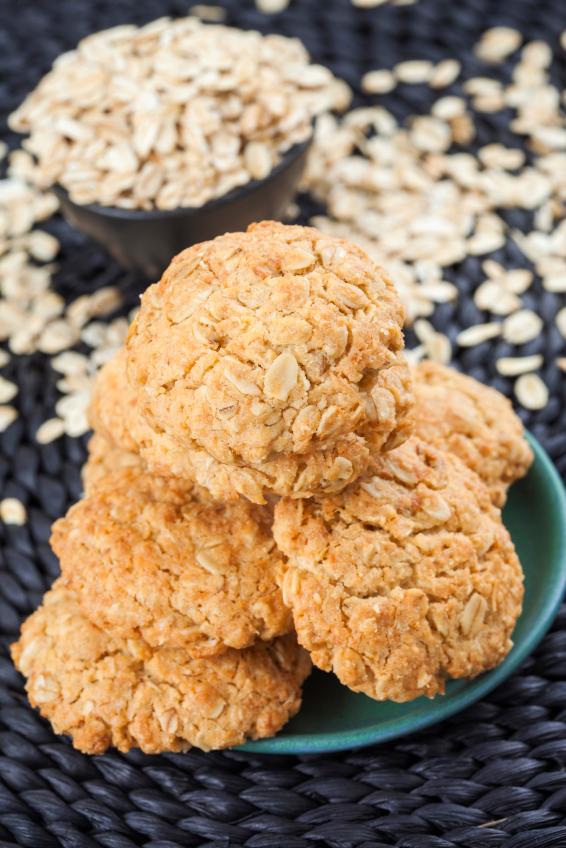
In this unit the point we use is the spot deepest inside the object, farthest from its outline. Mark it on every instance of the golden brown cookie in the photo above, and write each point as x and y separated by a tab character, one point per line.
406	578
275	355
156	558
474	422
104	691
114	415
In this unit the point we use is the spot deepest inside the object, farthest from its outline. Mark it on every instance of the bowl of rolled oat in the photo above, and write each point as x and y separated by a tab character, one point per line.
144	240
160	136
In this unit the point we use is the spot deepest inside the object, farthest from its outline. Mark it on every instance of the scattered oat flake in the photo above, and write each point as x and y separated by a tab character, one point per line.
489	102
57	336
478	333
12	511
76	424
74	383
522	327
4	357
447	108
553	138
7	416
485	242
378	82
492	297
94	334
517	280
70	362
22	341
42	246
271	7
439	292
430	134
499	156
292	212
531	391
72	403
205	12
561	363
8	390
512	366
414	71
498	43
445	73
424	330
537	54
104	300
492	269
50	430
555	282
482	86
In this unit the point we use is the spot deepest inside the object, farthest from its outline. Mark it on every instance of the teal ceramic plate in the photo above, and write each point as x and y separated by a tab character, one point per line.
334	719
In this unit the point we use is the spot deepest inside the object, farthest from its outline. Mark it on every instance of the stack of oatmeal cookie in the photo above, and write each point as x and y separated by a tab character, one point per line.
267	481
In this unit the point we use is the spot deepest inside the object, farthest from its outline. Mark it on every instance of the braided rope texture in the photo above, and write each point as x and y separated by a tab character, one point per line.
493	777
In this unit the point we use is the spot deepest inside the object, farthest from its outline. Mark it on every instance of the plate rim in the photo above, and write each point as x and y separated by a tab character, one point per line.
339	740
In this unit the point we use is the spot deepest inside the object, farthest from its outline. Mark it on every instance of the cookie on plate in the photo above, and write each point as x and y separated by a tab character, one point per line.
474	422
275	355
104	691
405	579
156	558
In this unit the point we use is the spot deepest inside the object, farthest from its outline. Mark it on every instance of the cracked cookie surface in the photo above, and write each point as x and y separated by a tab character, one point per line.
156	558
104	691
114	414
472	421
405	579
279	344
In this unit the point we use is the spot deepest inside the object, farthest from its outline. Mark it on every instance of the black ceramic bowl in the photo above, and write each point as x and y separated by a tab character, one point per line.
146	241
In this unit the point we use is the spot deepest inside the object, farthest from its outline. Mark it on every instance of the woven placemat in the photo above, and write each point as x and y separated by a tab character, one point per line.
493	777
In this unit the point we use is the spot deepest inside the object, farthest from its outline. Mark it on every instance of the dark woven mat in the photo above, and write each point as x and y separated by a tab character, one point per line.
493	777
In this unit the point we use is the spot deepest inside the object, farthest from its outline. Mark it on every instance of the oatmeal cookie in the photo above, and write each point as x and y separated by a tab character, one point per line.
114	414
474	422
406	578
104	691
156	558
277	343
